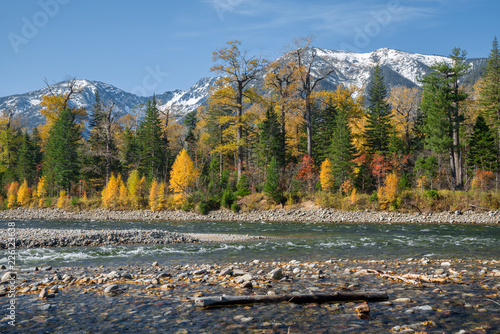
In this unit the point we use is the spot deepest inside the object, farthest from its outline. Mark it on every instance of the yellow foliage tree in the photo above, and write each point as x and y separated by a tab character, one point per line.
62	201
387	194
184	175
153	195
111	193
24	194
41	191
123	197
161	196
326	176
12	194
133	187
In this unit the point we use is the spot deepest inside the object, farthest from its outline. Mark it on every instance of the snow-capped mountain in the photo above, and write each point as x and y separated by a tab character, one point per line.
351	69
28	105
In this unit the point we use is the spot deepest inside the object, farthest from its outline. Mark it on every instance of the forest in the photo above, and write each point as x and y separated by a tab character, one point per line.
283	143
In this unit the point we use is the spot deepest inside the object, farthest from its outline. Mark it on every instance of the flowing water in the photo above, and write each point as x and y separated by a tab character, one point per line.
470	306
299	241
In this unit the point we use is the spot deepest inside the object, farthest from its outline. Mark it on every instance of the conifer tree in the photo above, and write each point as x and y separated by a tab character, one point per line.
482	147
324	125
378	123
270	140
61	160
272	187
151	144
111	193
24	194
12	194
153	196
489	94
183	175
134	188
26	163
441	99
341	151
130	154
326	175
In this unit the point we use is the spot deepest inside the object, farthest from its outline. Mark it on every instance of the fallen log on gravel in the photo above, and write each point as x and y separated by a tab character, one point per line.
338	296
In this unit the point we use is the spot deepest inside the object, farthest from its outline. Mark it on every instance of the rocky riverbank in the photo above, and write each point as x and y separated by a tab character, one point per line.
425	295
274	215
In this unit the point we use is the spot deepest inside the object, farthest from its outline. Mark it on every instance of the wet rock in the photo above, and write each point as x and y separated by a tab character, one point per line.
112	289
43	294
275	274
155	264
226	271
402	300
167	286
163	275
246	285
10	275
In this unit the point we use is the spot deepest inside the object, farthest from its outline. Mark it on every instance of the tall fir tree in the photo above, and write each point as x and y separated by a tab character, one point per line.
489	94
26	163
324	123
151	143
190	122
482	147
129	155
270	140
61	164
378	125
341	151
441	100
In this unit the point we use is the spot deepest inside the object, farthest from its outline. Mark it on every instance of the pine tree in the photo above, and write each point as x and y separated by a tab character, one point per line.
61	160
378	123
440	103
130	154
151	143
270	141
482	147
26	162
489	94
190	122
324	124
341	151
272	187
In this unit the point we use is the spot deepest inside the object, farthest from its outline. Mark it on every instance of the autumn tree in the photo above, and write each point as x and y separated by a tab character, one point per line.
405	103
441	100
153	195
12	194
10	138
134	189
24	194
307	171
239	69
111	193
387	194
183	175
306	57
326	176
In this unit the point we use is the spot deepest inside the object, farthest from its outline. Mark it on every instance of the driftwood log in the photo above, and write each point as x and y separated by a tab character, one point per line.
338	296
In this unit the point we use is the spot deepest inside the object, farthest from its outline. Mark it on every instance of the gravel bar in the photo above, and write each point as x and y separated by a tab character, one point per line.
273	215
36	238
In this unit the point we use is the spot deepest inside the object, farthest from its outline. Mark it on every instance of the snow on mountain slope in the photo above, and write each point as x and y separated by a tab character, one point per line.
351	69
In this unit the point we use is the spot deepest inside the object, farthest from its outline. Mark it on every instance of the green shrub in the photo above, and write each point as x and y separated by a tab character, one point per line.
75	201
228	198
374	197
432	194
235	207
205	206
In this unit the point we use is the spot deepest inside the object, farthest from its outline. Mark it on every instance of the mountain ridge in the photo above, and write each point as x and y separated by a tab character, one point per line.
351	69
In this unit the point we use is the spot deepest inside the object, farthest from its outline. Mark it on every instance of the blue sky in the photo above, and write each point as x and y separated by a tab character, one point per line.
152	46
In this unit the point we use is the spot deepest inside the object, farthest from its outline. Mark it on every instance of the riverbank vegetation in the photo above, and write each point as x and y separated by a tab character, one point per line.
286	143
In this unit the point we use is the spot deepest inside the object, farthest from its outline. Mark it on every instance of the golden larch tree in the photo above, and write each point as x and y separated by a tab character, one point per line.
153	195
24	194
184	175
12	195
326	175
134	188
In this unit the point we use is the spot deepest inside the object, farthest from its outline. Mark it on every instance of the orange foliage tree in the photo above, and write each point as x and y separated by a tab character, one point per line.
24	194
307	171
184	175
388	193
12	194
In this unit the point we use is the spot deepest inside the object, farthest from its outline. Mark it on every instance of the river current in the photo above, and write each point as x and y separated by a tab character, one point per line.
291	241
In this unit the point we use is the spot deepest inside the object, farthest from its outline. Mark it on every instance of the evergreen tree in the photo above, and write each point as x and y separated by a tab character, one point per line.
341	150
489	95
190	122
272	187
26	163
440	103
130	151
151	143
378	125
61	161
324	123
482	147
270	140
